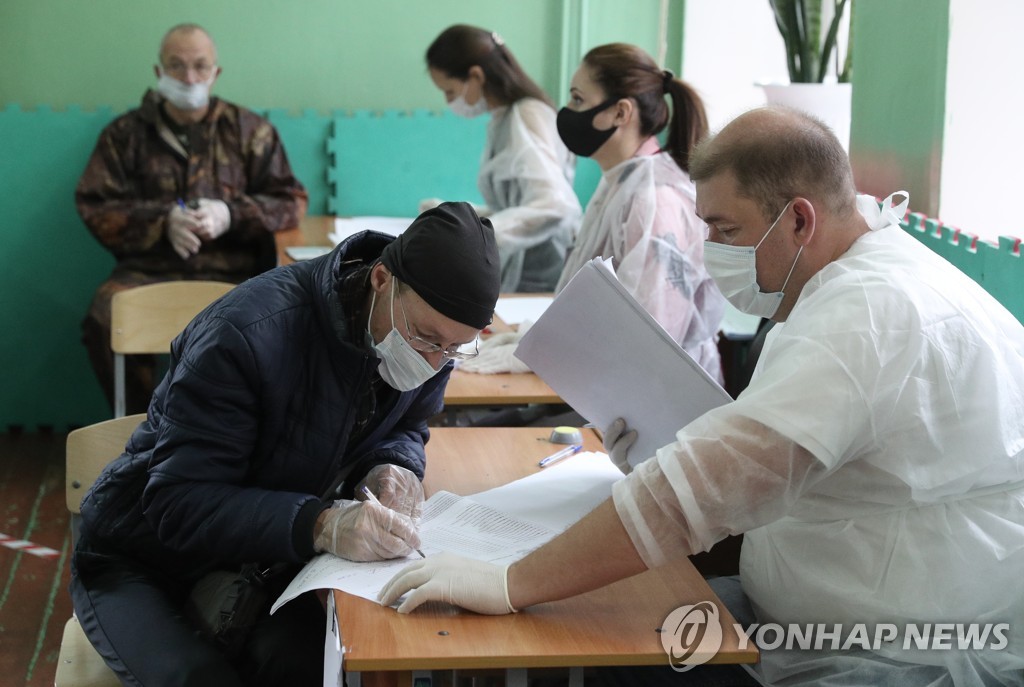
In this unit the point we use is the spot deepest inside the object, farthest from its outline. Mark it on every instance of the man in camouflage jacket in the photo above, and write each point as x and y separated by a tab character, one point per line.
184	187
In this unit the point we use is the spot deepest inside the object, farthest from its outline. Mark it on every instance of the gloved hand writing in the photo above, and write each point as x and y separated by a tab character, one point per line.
474	585
214	219
617	442
395	487
182	224
365	531
496	353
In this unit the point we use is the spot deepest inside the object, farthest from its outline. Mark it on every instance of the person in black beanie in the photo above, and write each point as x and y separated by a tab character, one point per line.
282	401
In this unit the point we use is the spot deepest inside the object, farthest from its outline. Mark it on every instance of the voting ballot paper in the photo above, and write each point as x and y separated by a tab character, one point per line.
604	354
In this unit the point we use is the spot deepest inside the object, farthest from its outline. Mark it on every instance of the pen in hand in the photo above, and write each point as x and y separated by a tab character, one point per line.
373	499
559	455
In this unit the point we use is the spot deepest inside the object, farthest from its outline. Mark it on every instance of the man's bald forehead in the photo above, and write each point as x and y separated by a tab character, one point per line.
186	29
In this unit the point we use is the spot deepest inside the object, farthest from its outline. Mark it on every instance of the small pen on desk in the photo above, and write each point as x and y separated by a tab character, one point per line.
373	499
559	455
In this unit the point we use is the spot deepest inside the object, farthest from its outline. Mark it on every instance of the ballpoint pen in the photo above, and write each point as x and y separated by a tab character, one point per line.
373	499
559	455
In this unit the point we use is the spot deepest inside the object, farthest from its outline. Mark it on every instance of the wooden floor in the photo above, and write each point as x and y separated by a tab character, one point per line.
34	602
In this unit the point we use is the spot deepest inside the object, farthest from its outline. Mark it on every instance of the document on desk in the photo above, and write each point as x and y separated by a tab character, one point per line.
345	227
499	526
604	354
514	310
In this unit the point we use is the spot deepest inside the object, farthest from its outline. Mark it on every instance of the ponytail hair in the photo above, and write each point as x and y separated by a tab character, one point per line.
626	71
461	46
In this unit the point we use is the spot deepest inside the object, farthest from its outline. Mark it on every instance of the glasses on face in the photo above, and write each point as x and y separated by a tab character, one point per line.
180	70
465	351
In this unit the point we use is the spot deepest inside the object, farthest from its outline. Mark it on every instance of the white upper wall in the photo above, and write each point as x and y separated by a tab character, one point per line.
983	143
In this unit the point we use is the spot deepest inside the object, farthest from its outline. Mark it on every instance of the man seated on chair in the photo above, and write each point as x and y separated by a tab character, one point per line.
187	186
875	462
297	388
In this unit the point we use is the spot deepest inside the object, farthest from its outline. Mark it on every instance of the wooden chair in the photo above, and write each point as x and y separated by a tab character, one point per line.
89	449
146	319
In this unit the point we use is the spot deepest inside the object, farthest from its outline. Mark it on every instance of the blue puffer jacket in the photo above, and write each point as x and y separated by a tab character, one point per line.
251	425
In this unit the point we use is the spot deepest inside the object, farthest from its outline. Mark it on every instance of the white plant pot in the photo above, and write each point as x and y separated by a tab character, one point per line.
829	102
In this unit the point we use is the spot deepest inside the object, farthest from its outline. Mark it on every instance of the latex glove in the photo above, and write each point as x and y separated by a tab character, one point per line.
474	585
182	224
429	204
214	219
396	488
617	441
365	531
497	353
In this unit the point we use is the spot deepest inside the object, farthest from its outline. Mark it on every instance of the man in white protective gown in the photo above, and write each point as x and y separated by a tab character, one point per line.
875	463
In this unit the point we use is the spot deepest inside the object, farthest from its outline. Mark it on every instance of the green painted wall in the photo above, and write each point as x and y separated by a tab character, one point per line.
899	93
320	54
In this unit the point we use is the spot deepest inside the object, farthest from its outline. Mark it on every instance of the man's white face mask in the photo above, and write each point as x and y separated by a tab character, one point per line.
401	366
182	95
734	270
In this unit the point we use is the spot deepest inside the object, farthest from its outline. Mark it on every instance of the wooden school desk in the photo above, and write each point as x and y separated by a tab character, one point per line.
615	625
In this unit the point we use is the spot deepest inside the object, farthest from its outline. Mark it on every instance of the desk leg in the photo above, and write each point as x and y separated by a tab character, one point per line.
576	677
515	677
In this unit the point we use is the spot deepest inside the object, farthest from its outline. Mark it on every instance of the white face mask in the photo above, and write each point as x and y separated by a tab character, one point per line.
401	365
734	269
460	107
182	95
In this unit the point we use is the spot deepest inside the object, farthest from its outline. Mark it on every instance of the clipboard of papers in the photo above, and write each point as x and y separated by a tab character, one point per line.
604	354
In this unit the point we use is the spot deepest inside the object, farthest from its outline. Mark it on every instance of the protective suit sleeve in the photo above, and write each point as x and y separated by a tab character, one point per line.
541	198
725	474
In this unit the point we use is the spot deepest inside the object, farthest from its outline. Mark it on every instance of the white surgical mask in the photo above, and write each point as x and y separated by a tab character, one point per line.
460	107
734	270
401	365
182	95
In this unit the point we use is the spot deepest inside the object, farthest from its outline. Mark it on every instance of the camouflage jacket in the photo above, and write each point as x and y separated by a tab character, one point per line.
139	169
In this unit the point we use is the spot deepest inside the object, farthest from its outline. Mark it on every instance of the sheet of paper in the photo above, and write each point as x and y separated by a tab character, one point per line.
334	673
500	525
514	310
299	253
347	226
450	523
608	358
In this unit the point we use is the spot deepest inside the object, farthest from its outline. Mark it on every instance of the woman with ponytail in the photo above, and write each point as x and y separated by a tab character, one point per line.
526	172
643	213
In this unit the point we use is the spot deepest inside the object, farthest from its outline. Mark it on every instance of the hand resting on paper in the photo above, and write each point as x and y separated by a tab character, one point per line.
617	442
497	354
474	585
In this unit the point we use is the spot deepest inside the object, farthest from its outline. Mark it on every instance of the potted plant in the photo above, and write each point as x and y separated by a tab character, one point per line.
811	49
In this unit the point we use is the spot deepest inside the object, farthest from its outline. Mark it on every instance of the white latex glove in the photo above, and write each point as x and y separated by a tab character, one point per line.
496	353
617	442
214	218
474	585
429	204
396	488
365	531
182	224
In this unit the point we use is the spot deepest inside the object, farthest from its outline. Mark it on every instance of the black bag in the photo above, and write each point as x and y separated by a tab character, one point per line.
225	604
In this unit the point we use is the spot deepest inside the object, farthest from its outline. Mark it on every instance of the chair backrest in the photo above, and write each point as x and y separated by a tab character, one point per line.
89	449
145	319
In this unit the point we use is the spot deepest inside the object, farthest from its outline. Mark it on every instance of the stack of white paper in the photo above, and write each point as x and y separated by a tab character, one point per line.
608	358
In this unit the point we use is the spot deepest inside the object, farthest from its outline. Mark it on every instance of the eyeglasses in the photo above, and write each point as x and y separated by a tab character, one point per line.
180	70
454	352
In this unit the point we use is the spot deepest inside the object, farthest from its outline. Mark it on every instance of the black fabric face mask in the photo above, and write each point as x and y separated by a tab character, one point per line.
577	129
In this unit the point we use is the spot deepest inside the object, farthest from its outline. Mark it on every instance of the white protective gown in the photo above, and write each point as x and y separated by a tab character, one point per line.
876	464
643	216
525	179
